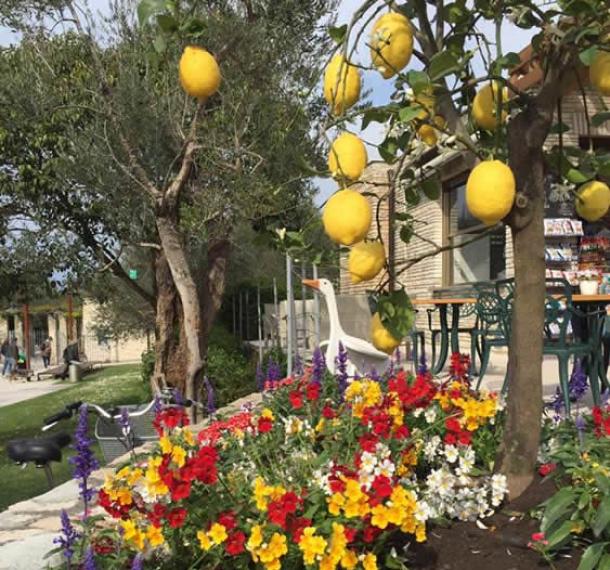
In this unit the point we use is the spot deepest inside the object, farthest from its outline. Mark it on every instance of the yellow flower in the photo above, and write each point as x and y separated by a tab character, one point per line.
369	562
218	533
320	425
312	546
165	444
129	529
395	514
189	438
122	474
179	456
420	533
349	560
155	536
335	502
123	495
268	414
256	537
271	553
135	476
204	540
380	516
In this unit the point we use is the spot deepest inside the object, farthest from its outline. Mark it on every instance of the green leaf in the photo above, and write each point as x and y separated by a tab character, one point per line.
557	506
560	535
159	44
375	114
387	150
602	518
402	216
508	60
604	169
167	23
431	188
442	64
591	556
418	81
409	113
412	196
148	8
576	176
337	33
396	313
406	232
587	55
604	563
559	128
600	118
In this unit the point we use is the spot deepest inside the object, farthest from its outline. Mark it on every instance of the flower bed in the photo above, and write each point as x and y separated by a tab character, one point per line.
328	474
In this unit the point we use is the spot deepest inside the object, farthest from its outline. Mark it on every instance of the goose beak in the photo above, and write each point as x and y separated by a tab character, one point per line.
313	283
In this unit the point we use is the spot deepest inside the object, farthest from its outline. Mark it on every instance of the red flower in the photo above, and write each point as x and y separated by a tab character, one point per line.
402	432
181	490
328	412
370	533
228	520
452	424
170	418
296	399
450	439
296	527
465	437
368	442
312	392
103	545
279	510
547	468
176	517
382	486
264	425
350	534
235	543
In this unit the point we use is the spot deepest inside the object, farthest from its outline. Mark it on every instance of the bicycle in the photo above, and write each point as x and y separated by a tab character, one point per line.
114	438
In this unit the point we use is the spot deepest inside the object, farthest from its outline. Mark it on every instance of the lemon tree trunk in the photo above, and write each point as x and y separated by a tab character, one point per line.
521	438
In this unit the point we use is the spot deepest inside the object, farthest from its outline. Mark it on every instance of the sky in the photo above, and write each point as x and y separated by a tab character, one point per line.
513	39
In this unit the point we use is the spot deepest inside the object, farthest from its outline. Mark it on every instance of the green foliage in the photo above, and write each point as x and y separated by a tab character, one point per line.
148	365
396	312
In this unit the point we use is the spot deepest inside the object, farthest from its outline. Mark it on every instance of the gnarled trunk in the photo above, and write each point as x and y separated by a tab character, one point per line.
175	254
518	452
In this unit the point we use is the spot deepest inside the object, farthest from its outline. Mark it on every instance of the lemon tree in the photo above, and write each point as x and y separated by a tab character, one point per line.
452	90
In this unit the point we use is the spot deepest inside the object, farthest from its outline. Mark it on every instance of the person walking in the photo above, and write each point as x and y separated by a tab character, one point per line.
4	353
46	348
12	356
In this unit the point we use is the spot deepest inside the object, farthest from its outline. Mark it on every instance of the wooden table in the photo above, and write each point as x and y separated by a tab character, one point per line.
449	335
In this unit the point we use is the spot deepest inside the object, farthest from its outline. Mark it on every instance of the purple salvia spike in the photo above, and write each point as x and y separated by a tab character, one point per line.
138	563
67	538
374	375
211	404
260	378
84	460
298	365
342	367
89	561
318	366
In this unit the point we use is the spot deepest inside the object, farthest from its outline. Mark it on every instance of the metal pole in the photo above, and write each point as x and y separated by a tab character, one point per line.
316	308
289	314
260	324
276	316
26	334
70	317
303	305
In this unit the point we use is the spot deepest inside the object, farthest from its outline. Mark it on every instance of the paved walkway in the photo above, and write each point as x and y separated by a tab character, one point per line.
15	391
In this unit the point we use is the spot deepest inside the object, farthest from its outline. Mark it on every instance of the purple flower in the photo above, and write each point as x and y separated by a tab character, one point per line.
318	366
397	357
374	375
67	538
605	396
158	405
342	368
124	421
211	405
84	460
138	563
274	372
578	382
89	561
423	365
178	397
260	378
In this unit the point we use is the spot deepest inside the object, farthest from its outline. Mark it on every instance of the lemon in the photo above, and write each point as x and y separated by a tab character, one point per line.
341	84
599	72
593	200
427	101
485	104
428	134
391	43
490	191
366	260
382	339
347	157
199	72
347	217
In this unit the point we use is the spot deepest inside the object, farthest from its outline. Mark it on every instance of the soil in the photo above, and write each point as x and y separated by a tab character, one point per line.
502	546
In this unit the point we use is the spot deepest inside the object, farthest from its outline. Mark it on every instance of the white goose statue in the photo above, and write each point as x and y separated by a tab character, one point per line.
362	355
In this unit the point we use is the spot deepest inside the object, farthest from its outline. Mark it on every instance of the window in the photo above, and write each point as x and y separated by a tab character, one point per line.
594	142
470	260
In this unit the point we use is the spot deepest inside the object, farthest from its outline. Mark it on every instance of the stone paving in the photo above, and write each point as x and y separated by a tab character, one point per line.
13	391
27	529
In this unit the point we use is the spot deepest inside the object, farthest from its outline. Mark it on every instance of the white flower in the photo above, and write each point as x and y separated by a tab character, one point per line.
466	463
499	488
386	468
431	447
451	453
430	415
418	412
441	482
422	511
368	461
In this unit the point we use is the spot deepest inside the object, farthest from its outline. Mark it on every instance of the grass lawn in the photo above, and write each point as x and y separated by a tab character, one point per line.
108	387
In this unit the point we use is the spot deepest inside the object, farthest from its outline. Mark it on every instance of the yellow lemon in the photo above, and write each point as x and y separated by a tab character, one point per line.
347	217
391	43
490	191
593	200
599	72
427	101
347	157
485	104
366	260
428	134
199	72
382	339
341	84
